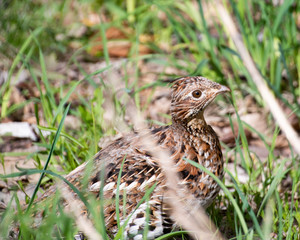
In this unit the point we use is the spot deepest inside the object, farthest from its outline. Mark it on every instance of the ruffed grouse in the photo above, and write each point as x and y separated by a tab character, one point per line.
188	137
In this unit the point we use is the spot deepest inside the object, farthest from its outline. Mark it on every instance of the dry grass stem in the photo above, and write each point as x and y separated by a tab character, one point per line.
75	206
265	92
185	208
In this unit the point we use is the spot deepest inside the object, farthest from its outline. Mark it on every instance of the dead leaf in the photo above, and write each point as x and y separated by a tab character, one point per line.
118	43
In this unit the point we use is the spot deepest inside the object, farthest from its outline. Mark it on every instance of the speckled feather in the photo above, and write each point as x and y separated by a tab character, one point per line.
188	137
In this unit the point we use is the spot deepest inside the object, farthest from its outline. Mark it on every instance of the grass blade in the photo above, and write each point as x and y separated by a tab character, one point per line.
118	192
64	100
26	172
278	176
49	157
246	205
53	130
226	191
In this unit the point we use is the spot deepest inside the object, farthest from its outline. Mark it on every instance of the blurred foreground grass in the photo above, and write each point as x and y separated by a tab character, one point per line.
183	35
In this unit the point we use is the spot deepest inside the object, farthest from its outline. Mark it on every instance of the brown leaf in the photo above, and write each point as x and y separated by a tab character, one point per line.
118	43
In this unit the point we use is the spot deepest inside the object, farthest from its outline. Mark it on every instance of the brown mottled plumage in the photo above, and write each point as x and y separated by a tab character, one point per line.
188	137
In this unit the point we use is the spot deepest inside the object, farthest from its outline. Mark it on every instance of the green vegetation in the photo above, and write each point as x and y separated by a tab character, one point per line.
184	35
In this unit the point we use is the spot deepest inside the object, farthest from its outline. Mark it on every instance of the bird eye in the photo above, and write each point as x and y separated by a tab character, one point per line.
197	93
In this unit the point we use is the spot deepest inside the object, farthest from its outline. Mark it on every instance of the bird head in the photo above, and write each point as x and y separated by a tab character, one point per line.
191	95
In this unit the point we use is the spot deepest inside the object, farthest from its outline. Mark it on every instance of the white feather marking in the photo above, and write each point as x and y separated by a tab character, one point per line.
133	230
95	187
139	221
109	186
145	183
138	237
131	186
122	186
207	163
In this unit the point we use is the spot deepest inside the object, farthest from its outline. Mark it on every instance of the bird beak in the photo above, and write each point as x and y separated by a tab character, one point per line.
223	89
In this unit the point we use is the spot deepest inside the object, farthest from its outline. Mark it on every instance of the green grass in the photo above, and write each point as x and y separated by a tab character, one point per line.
197	44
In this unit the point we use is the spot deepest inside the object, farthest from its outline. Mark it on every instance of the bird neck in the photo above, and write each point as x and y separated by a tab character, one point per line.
197	122
195	125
